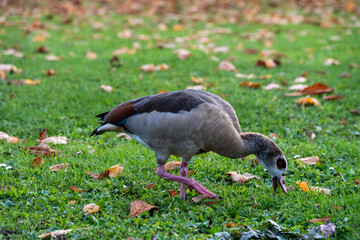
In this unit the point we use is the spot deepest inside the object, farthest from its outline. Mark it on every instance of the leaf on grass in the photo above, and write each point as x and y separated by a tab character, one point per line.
162	66
227	66
274	135
255	204
71	202
25	82
333	97
199	198
178	27
305	187
42	135
107	88
268	63
149	186
55	140
75	189
222	49
309	160
197	87
43	149
300	79
114	171
182	53
90	208
172	165
298	87
240	179
59	167
331	61
338	207
8	68
317	88
189	173
354	111
126	34
42	49
316	220
197	80
127	137
148	68
250	84
172	192
230	225
308	101
91	55
13	52
55	234
98	176
251	51
38	161
53	58
138	207
9	138
271	86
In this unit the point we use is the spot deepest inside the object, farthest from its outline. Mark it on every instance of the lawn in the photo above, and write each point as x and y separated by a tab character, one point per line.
34	200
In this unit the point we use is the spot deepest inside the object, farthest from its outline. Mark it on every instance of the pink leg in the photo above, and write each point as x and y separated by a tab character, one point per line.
183	172
191	183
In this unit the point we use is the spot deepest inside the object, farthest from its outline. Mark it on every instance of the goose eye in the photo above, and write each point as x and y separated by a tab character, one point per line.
281	163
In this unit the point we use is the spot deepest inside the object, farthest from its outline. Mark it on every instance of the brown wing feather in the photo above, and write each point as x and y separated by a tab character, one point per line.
120	113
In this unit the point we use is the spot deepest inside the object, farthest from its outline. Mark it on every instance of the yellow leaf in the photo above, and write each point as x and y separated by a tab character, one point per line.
90	208
115	170
308	101
91	55
305	187
71	202
178	27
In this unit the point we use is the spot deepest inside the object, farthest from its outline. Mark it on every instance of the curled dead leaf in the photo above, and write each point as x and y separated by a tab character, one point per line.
149	186
55	140
53	58
182	53
8	68
9	138
197	80
240	179
49	72
38	161
91	55
75	189
43	149
331	61
115	170
42	49
333	97
272	86
317	88
268	63
250	84
55	234
227	66
90	208
172	165
107	88
308	101
316	220
59	167
138	207
98	176
172	192
42	135
309	160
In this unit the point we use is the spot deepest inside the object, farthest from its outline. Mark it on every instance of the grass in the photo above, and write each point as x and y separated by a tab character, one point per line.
65	104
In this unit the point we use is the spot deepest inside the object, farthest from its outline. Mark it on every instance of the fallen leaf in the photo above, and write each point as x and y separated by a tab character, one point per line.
333	97
41	150
240	179
197	80
25	82
2	75
300	79
251	51
354	111
189	173
317	88
49	72
255	204
250	84
247	76
298	87
115	170
8	138
148	68
272	86
230	225
91	55
338	207
38	161
107	88
75	189
53	58
343	122
39	38
55	140
178	27
345	75
316	220
90	208
126	34
309	160
223	49
197	87
71	202
59	167
162	66
13	52
149	186
227	66
199	198
268	63
8	68
349	6
305	187
42	135
331	61
172	165
354	65
55	234
138	207
308	101
99	176
182	53
127	137
274	135
42	49
172	192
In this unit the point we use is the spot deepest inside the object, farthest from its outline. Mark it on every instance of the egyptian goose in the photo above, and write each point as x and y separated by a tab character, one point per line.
187	123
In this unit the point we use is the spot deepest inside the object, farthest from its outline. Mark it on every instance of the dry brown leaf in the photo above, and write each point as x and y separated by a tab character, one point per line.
91	55
197	87
59	167
149	186
8	68
71	202
268	63
148	68
298	87
197	80
333	97
350	6
178	27
90	208
182	53
317	88
138	207
25	82
42	135
343	122
8	138
227	66
240	179
98	176
53	58
308	101
42	49
230	225
172	165
199	198
39	38
38	161
354	111
309	160
127	137
338	207
13	52
272	86
250	84
55	140
331	61
49	72
55	234
316	220
274	135
43	149
162	66
2	75
251	51
75	189
107	88
172	192
126	34
115	170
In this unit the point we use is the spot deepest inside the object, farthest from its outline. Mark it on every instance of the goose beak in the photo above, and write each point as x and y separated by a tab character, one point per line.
278	180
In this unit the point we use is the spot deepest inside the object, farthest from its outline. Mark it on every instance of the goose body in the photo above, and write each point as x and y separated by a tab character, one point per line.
187	123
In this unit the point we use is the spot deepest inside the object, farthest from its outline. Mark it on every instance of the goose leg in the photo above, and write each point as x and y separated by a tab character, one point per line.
191	183
183	173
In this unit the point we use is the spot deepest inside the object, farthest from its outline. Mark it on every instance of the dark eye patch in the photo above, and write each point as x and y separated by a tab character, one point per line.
281	163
